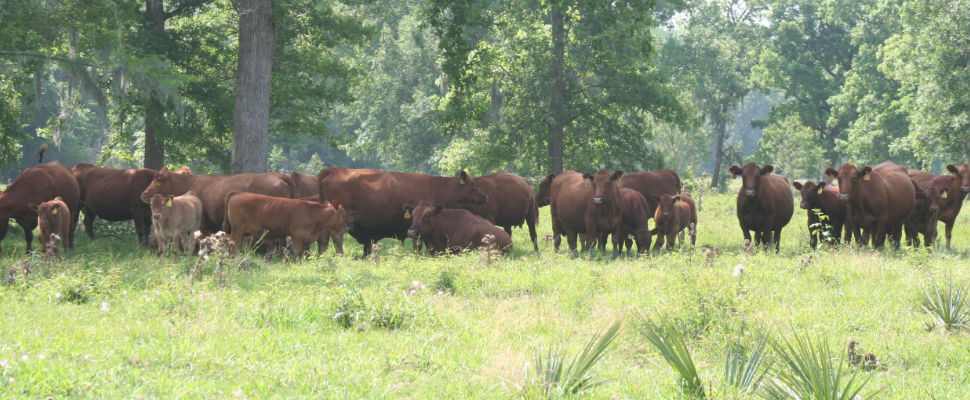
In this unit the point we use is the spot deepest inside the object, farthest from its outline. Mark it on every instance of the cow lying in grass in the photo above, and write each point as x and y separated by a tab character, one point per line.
454	229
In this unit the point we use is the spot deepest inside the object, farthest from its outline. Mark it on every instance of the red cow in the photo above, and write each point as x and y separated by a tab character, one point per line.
54	218
652	185
454	230
36	185
587	204
251	215
878	199
114	195
957	185
511	202
764	205
174	220
635	217
673	215
305	185
212	190
824	198
375	198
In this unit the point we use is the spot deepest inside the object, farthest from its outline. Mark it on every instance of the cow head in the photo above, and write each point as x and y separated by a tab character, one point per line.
161	206
343	220
606	189
545	190
167	183
849	178
962	174
422	217
47	213
751	177
466	190
811	194
668	205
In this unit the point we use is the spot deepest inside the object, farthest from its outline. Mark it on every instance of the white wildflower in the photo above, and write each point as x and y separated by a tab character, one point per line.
739	269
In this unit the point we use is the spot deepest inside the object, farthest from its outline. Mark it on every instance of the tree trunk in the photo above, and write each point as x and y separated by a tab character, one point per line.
154	110
557	119
720	126
250	137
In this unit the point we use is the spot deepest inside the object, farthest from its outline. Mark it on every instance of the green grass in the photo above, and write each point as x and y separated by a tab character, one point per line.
112	321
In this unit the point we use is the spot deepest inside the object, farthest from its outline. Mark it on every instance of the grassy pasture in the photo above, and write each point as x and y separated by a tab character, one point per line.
112	321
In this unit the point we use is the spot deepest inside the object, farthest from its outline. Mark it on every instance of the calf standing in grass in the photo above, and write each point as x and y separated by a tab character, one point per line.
635	215
453	229
825	198
249	215
674	214
926	211
174	219
54	219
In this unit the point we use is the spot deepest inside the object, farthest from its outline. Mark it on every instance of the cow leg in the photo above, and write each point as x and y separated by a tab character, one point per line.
658	244
693	233
777	239
367	246
949	230
323	240
879	238
298	247
28	224
617	243
591	234
671	238
531	222
603	237
338	242
571	241
89	222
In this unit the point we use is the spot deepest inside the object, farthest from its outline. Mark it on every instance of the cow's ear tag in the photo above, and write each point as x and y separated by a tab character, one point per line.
54	210
168	203
867	177
819	191
943	195
407	214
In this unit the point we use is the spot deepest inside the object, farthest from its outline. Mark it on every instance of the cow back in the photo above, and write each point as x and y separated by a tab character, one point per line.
652	185
510	196
112	194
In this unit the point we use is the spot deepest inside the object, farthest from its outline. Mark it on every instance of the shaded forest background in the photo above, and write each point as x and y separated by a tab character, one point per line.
528	86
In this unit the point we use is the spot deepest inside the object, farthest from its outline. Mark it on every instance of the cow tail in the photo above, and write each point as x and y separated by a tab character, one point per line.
40	153
225	221
289	182
320	177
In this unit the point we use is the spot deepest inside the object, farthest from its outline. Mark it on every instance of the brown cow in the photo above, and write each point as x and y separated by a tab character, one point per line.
674	214
635	217
251	215
764	205
652	185
36	185
375	198
511	203
54	218
926	211
879	200
957	184
174	220
305	185
545	189
587	204
114	195
212	189
824	198
454	230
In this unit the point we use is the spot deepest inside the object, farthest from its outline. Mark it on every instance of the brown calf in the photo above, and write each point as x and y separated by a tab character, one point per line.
825	198
174	220
926	211
764	205
635	217
674	214
54	219
957	185
878	199
250	215
454	230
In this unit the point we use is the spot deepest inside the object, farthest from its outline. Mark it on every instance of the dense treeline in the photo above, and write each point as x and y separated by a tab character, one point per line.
485	85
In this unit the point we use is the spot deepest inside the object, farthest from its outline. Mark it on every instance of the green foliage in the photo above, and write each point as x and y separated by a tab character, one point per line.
353	311
948	307
792	148
745	369
669	341
809	370
558	379
11	133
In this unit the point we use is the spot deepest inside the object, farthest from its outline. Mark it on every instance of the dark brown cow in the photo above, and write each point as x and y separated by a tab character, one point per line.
673	215
305	186
587	204
879	200
174	220
825	198
375	198
511	202
764	205
454	230
212	190
635	217
251	215
36	185
54	218
652	185
114	195
926	211
545	189
957	185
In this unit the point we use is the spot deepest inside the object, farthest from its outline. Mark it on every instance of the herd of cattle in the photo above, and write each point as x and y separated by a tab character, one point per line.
462	212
